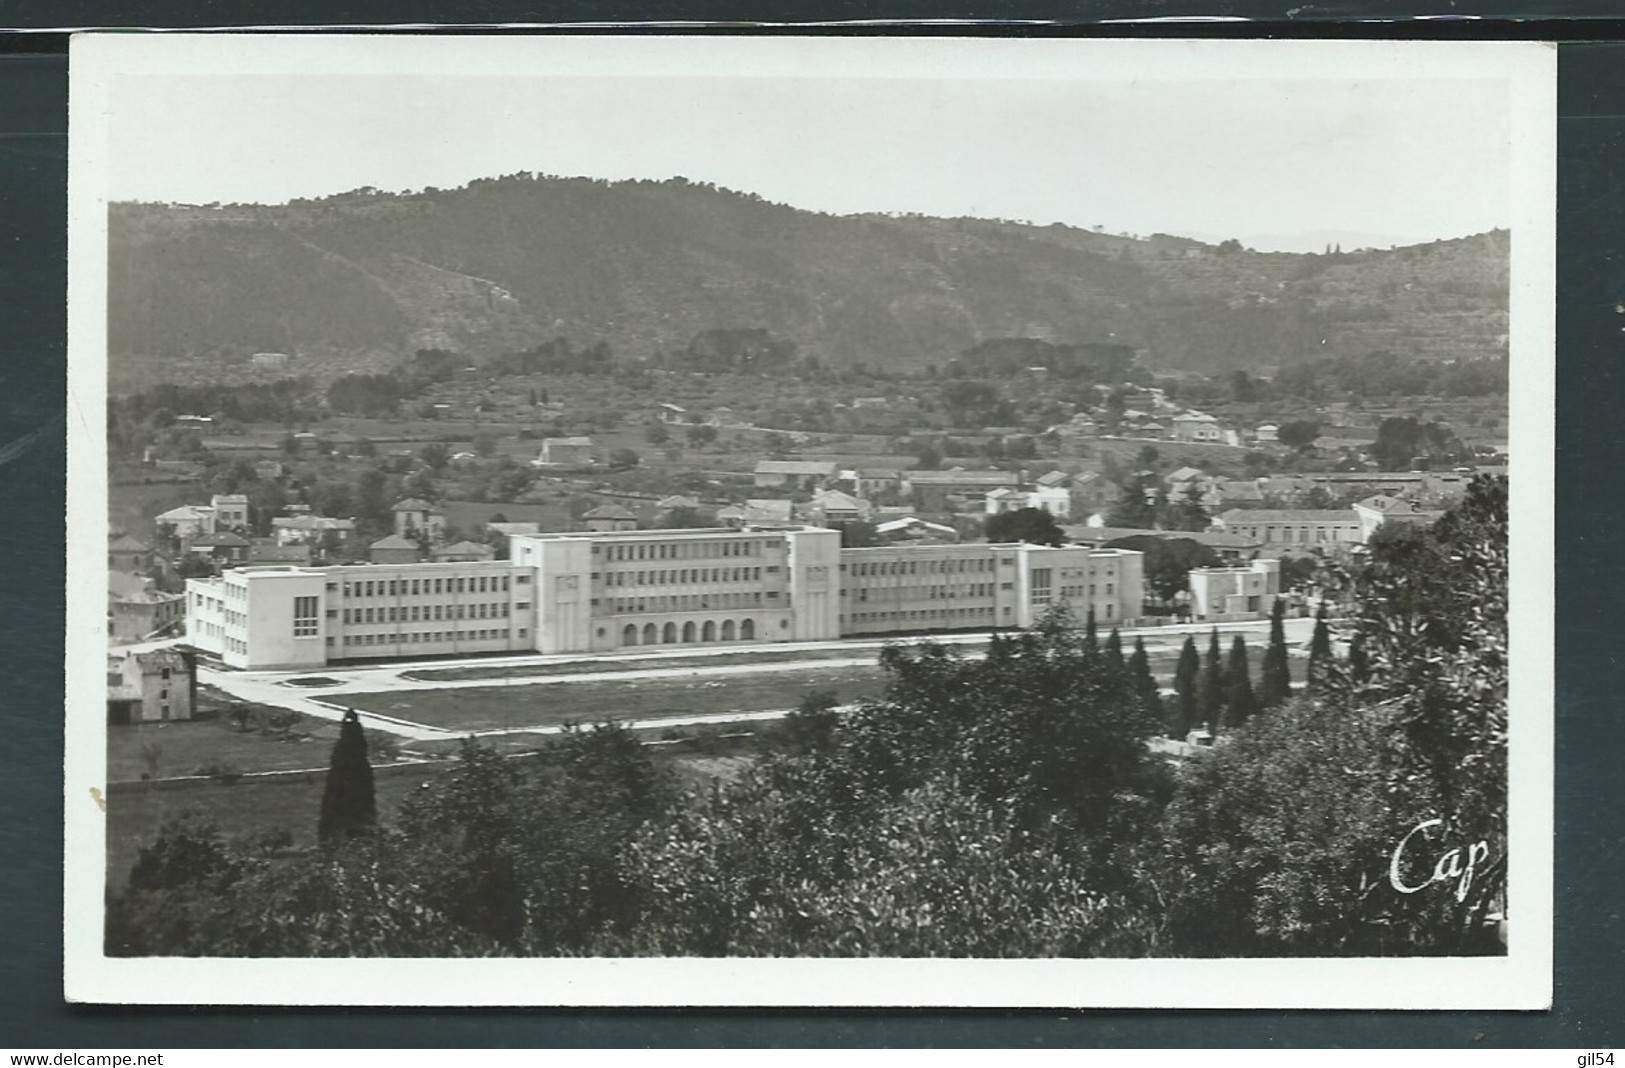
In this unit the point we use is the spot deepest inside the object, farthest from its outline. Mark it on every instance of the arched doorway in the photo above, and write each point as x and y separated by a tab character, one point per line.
629	634
688	631
668	634
727	630
650	634
709	632
747	630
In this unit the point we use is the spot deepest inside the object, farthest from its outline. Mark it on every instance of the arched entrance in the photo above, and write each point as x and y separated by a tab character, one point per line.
668	634
727	630
688	631
629	634
650	634
709	632
747	630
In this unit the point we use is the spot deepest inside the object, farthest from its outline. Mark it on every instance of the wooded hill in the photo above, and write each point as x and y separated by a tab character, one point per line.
352	282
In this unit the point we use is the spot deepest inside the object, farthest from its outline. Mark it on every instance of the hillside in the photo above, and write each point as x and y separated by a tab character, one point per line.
352	282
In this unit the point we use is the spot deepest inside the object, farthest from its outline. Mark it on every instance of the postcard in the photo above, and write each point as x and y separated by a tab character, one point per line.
616	520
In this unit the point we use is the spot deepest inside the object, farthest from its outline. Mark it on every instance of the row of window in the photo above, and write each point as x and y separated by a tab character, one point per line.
958	616
1072	593
430	637
929	567
682	550
691	602
686	575
1300	534
424	613
934	593
420	587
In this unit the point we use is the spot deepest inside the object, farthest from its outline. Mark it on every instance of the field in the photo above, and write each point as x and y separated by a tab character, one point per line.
480	708
607	664
192	747
251	808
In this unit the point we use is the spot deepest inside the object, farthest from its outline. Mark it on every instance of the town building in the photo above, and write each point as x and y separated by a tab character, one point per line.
463	552
186	521
1294	528
758	511
150	685
809	474
610	516
566	452
908	529
415	518
223	548
1197	427
1376	511
394	549
137	610
267	551
589	591
941	491
125	553
230	512
1241	591
309	529
833	506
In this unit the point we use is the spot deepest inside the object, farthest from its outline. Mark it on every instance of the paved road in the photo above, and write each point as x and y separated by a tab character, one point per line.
327	701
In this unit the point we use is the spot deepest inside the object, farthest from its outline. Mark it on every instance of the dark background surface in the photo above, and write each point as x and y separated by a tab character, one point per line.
1590	832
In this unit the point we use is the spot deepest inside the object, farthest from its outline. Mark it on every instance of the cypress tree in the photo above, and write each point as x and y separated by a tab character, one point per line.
1239	701
1211	694
1114	653
348	805
1359	662
1320	652
1091	643
1276	685
1143	683
1187	707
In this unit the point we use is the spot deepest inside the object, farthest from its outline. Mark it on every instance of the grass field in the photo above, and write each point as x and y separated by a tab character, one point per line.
606	664
250	808
244	809
479	708
187	747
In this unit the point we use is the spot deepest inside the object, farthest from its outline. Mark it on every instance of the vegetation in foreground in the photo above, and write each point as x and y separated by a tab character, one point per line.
1000	807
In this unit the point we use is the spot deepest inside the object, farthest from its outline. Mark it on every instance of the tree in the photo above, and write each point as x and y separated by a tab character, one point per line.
1114	655
1402	439
1240	704
349	807
1168	561
622	459
485	443
1091	644
1320	652
1211	700
700	435
857	534
1276	685
1298	433
1187	706
1032	525
656	434
927	458
1143	682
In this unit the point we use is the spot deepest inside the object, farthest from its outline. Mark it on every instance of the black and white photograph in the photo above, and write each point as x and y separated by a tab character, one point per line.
771	520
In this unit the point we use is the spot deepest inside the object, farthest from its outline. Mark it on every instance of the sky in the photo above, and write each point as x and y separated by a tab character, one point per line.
1316	152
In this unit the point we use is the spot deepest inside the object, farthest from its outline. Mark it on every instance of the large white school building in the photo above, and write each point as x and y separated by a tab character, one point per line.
600	591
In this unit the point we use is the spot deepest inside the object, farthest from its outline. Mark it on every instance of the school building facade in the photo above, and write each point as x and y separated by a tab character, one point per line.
601	591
